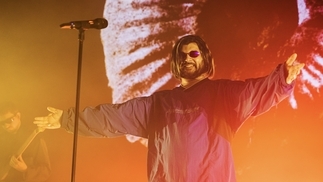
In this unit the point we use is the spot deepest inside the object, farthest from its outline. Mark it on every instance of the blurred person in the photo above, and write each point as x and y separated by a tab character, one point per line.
23	154
189	128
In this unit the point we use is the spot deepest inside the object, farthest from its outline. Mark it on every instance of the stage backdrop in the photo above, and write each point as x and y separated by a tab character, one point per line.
130	58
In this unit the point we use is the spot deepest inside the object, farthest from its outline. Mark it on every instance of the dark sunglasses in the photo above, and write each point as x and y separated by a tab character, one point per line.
192	54
7	121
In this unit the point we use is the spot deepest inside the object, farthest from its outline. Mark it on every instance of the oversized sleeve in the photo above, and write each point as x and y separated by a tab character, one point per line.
255	96
111	120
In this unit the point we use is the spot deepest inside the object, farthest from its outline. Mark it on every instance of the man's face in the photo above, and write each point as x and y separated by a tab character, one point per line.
10	122
191	63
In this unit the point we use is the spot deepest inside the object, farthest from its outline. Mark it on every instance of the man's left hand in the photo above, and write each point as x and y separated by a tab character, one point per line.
293	68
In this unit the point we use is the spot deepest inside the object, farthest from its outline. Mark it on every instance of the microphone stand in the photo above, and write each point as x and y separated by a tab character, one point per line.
81	26
77	103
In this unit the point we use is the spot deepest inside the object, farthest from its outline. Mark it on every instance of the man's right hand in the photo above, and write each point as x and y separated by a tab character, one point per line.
52	121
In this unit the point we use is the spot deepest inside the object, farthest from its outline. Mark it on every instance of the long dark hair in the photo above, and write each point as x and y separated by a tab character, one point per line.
205	53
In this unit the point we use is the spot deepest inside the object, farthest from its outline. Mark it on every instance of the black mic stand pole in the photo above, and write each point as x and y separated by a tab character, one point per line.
77	101
81	26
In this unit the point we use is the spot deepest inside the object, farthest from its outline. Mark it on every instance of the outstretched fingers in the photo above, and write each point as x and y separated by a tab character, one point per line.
41	121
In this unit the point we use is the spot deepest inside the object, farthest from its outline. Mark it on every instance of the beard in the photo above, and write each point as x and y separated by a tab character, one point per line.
191	71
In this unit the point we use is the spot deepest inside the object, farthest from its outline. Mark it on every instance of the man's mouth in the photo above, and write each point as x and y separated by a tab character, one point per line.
187	65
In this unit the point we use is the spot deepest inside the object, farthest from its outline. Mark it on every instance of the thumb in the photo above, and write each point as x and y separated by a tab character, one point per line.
51	109
55	112
291	59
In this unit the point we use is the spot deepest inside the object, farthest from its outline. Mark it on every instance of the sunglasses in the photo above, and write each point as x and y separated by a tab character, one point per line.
7	121
192	54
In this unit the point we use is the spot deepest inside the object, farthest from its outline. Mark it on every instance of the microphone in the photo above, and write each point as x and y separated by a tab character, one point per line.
98	23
